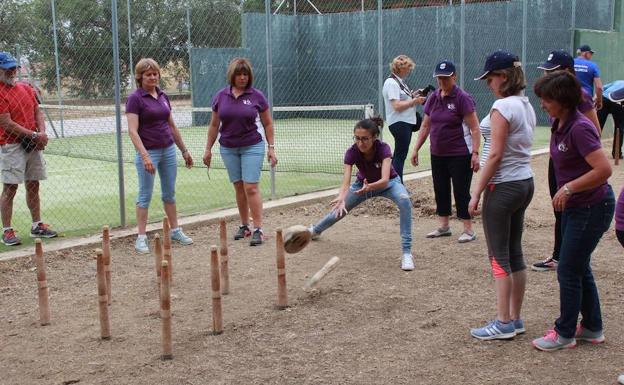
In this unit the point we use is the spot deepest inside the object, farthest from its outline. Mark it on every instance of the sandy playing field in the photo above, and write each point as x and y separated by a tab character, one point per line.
368	322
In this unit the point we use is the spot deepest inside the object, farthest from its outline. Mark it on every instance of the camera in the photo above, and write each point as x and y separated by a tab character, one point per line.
425	91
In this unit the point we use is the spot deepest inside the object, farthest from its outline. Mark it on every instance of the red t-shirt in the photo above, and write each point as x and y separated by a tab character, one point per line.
19	101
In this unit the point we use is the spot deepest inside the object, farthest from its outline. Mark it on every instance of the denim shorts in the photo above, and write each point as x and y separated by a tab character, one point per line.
243	163
164	160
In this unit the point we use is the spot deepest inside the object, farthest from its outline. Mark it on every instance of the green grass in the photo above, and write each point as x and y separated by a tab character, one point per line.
82	191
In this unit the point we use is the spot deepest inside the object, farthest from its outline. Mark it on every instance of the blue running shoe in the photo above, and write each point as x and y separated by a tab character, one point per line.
495	330
518	325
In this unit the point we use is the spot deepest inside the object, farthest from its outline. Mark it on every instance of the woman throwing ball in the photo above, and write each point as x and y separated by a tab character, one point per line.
375	177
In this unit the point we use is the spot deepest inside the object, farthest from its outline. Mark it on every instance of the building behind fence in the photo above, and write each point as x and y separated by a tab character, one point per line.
321	63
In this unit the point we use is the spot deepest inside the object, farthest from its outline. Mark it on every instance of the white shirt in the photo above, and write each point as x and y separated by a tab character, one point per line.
392	91
516	162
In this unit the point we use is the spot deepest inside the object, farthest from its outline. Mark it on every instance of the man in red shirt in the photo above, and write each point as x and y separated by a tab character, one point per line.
21	122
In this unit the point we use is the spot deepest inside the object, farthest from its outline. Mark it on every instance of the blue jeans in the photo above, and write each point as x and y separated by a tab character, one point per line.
243	163
395	192
581	229
164	160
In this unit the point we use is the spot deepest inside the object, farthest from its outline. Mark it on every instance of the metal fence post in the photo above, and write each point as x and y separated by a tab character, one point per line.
116	64
525	12
269	69
189	46
130	59
380	102
572	27
462	43
18	56
58	66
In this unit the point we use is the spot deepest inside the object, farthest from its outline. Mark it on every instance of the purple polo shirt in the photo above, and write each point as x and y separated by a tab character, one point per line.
446	114
370	169
568	147
619	212
154	129
240	119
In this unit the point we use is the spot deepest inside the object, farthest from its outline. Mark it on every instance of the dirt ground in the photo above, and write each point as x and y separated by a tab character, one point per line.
368	322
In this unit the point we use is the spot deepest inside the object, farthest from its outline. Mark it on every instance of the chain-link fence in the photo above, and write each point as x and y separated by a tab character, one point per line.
320	63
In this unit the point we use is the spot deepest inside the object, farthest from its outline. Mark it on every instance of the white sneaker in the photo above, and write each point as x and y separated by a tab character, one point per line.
315	235
180	237
466	237
407	263
141	245
621	379
440	232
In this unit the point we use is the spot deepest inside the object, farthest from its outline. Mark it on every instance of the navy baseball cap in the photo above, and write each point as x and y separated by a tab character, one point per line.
444	68
558	59
617	96
7	61
499	60
585	48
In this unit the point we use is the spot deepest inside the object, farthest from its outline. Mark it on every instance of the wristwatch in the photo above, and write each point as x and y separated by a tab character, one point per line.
567	190
34	135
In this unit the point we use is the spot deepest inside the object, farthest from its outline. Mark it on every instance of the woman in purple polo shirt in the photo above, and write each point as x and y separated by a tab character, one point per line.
155	136
453	127
375	177
241	115
587	202
560	60
507	179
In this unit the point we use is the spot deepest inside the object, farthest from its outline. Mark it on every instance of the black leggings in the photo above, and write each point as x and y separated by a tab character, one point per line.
402	133
455	169
617	111
552	186
620	236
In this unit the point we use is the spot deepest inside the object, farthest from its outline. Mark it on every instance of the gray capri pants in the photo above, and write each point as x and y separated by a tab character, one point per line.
504	205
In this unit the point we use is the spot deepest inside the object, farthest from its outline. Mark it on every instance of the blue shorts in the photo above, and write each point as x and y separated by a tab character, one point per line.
243	163
164	160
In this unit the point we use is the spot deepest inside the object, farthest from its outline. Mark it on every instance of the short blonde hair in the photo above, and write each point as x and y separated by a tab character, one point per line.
143	66
514	83
401	62
239	65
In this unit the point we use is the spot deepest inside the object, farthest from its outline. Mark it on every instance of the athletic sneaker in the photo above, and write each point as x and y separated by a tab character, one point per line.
9	238
621	379
553	341
518	325
180	237
440	233
256	238
314	234
141	245
42	231
545	265
495	330
583	334
407	262
243	232
466	237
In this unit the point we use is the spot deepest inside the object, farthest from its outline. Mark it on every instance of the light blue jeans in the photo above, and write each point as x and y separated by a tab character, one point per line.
395	191
243	163
164	160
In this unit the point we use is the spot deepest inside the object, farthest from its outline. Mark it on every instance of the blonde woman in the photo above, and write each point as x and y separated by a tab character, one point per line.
155	137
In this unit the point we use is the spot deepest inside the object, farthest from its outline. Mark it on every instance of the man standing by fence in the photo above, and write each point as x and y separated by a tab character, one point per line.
588	73
22	139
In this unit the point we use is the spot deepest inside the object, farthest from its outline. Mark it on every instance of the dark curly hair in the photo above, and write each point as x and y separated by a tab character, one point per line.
372	125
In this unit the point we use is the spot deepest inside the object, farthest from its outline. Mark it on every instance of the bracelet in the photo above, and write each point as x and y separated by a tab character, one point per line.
271	146
567	190
185	151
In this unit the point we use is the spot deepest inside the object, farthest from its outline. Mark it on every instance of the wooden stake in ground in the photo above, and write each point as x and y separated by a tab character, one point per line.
165	312
167	247
225	275
42	284
617	139
158	256
329	266
217	313
102	297
107	260
282	293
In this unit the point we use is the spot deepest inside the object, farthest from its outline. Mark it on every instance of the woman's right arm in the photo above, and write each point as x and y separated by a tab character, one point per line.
339	202
133	132
213	130
422	137
402	105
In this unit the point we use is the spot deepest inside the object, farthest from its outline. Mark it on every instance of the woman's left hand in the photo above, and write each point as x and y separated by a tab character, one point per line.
271	157
473	206
365	188
560	199
474	162
188	159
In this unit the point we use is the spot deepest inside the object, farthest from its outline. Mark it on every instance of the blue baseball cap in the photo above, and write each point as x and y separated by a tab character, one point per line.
444	68
585	48
7	61
558	59
499	60
617	96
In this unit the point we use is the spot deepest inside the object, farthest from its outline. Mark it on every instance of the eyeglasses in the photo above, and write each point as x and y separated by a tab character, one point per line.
362	139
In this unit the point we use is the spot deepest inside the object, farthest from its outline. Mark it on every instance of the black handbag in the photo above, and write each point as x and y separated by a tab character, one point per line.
419	119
